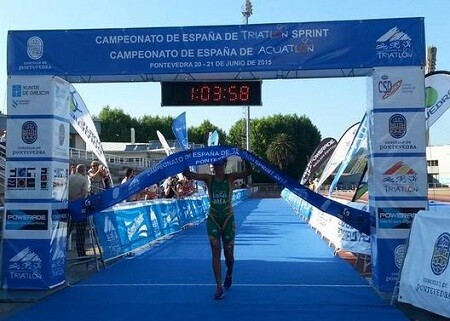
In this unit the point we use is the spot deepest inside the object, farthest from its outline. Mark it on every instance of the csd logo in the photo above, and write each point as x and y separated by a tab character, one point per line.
387	88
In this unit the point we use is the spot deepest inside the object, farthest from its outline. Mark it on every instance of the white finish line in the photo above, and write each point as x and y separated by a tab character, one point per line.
234	285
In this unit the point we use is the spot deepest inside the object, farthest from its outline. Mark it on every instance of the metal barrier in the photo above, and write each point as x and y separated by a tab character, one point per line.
83	246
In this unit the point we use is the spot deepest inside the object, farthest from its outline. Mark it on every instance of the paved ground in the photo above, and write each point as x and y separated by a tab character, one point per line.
13	301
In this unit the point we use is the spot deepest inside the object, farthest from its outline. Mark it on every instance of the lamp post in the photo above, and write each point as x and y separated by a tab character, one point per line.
247	11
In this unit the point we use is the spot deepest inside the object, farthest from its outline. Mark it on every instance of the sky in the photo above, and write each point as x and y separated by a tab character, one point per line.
333	104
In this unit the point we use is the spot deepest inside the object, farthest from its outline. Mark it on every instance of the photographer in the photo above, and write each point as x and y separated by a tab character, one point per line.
170	187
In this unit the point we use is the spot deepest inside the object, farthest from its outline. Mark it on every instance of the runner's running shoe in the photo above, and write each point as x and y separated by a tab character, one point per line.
227	282
219	294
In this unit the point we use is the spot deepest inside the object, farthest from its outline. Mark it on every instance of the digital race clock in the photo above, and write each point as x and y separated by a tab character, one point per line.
211	93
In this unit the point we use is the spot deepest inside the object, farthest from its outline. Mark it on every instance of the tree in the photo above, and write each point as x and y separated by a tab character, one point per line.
199	135
115	125
263	131
149	125
237	135
281	150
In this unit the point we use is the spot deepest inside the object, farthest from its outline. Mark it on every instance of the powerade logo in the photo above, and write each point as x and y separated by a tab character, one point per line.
394	45
396	217
387	88
29	132
397	126
35	48
433	102
441	254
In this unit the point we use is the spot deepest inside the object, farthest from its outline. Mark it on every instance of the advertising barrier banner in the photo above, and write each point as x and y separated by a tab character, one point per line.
129	226
176	163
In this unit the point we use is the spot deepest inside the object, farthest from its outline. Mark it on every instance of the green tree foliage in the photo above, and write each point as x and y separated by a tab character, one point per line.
281	150
237	135
304	135
200	134
149	125
115	125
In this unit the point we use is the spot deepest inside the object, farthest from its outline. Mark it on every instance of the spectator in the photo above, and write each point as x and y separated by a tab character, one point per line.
170	187
79	188
96	178
129	174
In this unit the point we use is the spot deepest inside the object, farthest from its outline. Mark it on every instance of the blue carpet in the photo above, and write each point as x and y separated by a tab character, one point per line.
284	271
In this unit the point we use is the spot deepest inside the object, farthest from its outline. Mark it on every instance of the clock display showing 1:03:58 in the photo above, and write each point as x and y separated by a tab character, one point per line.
234	93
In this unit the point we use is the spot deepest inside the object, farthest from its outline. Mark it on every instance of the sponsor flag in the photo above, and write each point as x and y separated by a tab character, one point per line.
358	146
319	156
437	95
339	154
180	131
213	138
164	143
363	185
81	120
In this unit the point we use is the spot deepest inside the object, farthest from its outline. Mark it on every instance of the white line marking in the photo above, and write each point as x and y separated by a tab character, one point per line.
234	285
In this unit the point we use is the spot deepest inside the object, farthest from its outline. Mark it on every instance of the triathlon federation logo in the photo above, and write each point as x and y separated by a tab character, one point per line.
35	48
400	178
441	254
25	265
394	44
387	88
397	126
29	132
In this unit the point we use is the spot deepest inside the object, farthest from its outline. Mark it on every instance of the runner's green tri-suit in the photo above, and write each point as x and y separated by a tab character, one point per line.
220	221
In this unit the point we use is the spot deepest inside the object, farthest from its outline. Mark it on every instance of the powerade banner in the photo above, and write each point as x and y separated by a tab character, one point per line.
118	54
180	131
339	153
437	95
176	163
319	156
